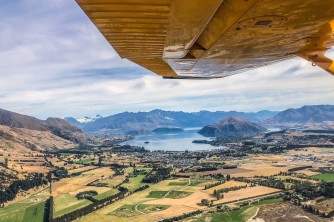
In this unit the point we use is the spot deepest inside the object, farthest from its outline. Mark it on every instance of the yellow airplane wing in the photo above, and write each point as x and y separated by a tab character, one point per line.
214	38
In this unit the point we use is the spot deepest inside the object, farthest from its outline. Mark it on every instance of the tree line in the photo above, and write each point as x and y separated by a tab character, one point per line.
219	193
157	175
183	216
48	210
91	207
208	186
141	188
10	193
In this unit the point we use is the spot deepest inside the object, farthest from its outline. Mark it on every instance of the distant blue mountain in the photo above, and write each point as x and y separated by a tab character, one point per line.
305	114
145	122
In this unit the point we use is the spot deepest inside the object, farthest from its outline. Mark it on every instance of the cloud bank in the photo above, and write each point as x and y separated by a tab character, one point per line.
54	62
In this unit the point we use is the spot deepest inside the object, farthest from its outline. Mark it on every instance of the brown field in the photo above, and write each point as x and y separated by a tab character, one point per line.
313	150
106	213
250	170
224	185
114	181
63	187
286	212
192	201
100	172
248	192
174	210
31	169
263	158
296	178
67	185
177	206
56	162
262	170
307	172
80	169
97	189
325	206
226	171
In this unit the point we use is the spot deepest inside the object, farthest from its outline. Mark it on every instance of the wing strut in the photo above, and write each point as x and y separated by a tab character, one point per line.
316	49
319	59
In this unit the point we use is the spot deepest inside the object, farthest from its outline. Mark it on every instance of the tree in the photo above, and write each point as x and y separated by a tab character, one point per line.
205	202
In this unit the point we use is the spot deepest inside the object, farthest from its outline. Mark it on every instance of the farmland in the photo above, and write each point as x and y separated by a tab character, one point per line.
168	194
160	185
241	215
66	203
286	212
25	210
328	177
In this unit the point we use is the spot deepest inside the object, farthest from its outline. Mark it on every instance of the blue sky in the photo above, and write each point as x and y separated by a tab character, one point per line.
54	62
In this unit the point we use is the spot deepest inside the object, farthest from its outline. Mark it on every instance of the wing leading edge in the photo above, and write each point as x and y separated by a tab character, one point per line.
196	39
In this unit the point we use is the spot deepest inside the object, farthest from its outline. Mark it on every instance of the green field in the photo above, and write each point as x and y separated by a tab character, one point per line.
269	201
181	183
34	213
30	209
240	215
84	161
106	194
19	213
172	194
67	203
147	169
134	183
148	208
128	210
244	213
328	177
195	182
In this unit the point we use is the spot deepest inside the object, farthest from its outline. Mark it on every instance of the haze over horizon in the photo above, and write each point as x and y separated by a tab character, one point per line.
56	63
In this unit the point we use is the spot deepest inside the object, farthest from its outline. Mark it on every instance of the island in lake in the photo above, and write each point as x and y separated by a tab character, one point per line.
201	141
167	130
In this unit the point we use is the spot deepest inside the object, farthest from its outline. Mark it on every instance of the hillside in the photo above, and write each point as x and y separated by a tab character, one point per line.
56	126
233	126
68	131
145	122
11	119
20	140
305	114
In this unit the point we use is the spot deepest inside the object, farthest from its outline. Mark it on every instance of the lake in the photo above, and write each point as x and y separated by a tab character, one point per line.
173	142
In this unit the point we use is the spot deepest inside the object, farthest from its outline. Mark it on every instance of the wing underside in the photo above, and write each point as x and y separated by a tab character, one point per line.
214	38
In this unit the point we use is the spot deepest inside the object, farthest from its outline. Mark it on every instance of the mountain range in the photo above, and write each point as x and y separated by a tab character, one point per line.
22	133
145	122
305	114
